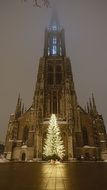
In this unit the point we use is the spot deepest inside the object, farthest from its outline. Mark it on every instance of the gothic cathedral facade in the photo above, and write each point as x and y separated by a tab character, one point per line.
82	130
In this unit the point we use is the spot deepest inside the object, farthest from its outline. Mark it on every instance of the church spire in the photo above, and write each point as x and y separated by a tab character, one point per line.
23	107
54	23
88	109
90	106
18	108
54	39
94	105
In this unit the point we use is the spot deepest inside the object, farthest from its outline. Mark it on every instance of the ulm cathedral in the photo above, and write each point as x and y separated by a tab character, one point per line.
82	130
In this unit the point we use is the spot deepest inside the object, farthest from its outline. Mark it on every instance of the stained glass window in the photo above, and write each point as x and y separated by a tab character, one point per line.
54	50
54	40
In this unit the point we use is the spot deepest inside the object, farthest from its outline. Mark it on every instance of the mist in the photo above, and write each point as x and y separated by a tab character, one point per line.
22	29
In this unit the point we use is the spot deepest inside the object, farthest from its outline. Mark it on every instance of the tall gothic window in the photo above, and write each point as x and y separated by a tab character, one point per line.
50	74
64	138
55	105
25	134
59	103
58	74
54	45
60	51
48	51
54	40
85	136
54	50
14	132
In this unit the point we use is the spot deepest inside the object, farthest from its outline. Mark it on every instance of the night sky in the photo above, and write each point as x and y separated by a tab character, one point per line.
22	41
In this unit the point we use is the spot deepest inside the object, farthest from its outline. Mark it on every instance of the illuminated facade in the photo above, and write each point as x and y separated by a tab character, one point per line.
83	131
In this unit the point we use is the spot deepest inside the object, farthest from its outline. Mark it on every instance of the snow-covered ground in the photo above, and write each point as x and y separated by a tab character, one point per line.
2	159
105	160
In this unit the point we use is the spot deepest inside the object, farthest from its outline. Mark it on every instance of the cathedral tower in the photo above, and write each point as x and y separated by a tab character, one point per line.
55	92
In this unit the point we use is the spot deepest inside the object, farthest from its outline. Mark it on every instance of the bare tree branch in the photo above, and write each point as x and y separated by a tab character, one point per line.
40	3
46	3
36	3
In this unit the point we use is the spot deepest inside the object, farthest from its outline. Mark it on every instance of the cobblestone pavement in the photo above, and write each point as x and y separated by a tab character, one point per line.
46	176
54	177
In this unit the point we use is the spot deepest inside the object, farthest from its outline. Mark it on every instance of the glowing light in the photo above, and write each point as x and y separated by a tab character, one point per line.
54	27
54	40
54	50
53	143
48	51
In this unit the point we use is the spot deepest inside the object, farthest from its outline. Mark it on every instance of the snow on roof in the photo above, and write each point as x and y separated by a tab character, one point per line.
24	146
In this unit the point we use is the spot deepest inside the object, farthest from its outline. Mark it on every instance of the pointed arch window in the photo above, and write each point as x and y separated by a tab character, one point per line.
54	40
50	75
14	132
55	105
85	136
54	50
25	134
60	51
58	74
54	45
48	51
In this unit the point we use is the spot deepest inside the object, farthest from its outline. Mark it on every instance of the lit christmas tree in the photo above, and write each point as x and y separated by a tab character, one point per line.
53	147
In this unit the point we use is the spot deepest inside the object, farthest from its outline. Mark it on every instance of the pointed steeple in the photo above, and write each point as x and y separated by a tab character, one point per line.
54	23
88	109
23	108
33	102
54	39
90	106
85	109
18	108
94	105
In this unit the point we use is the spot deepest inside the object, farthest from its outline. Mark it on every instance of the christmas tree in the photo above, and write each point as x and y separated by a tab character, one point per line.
53	147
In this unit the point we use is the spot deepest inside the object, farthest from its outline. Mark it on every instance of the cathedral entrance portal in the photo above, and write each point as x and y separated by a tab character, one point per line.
23	156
